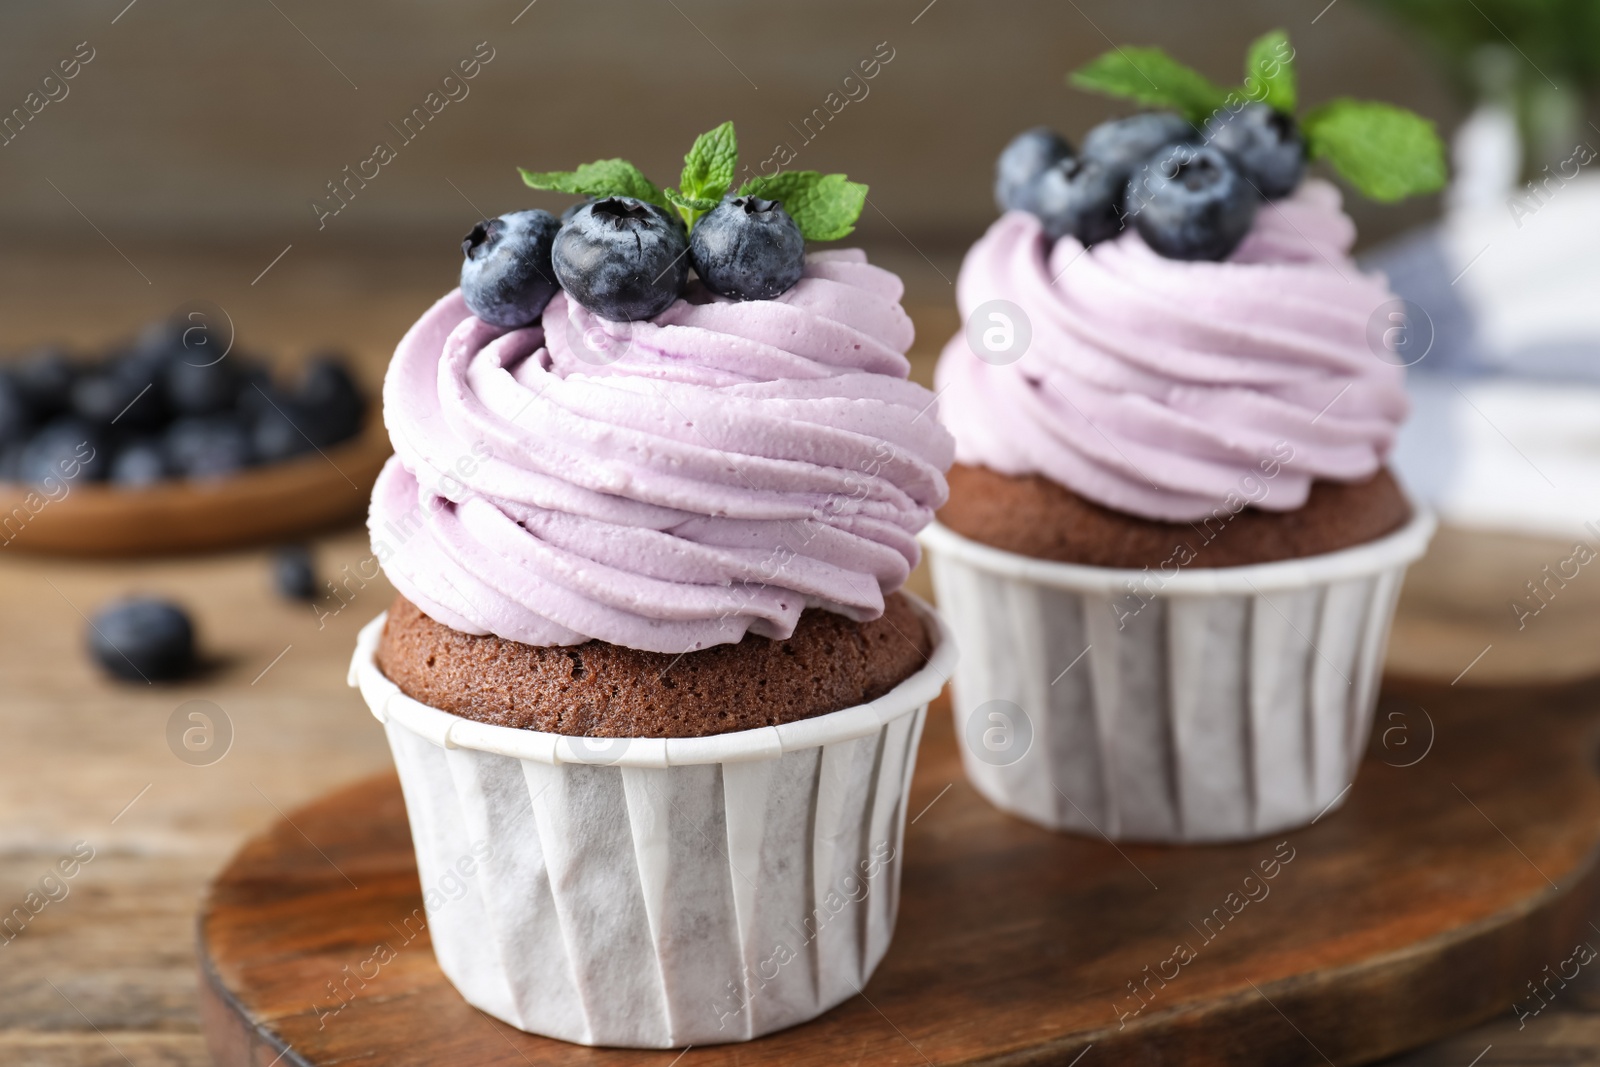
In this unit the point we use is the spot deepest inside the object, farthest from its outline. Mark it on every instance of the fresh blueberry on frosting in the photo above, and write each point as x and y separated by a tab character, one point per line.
625	252
1191	203
1023	163
1176	174
621	260
748	248
1080	197
1264	143
1123	144
506	277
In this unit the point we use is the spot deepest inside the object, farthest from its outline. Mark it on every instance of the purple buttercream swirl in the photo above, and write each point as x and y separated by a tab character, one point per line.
665	485
1159	387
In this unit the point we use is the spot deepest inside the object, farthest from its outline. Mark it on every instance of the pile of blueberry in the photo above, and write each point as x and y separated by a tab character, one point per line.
626	259
1192	192
159	409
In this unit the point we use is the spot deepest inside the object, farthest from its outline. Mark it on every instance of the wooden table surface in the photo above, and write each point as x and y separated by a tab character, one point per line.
105	974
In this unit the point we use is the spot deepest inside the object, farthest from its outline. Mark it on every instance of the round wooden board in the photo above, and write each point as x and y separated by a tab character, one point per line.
1462	865
300	496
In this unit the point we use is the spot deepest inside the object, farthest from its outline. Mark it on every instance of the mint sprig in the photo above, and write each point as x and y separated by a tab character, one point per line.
603	177
1154	79
1269	72
824	206
1386	152
707	173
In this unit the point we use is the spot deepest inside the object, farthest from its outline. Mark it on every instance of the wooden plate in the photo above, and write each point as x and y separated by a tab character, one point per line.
1463	864
263	504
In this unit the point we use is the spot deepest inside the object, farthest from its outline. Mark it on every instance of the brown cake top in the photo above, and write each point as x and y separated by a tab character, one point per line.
1033	516
602	690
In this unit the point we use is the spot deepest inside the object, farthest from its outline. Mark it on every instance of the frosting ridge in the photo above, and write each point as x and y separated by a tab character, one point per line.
665	484
1157	386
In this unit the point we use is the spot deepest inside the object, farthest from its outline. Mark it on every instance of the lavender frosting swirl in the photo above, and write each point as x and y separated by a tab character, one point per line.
665	485
1158	387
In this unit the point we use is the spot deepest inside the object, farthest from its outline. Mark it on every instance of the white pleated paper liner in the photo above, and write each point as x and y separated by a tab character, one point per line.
1217	704
655	893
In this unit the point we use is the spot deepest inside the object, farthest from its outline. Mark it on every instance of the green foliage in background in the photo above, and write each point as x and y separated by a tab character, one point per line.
1538	58
1561	38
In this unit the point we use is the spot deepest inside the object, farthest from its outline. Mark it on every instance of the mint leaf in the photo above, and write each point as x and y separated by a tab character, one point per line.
1269	72
1153	78
603	177
826	206
690	207
1386	152
707	173
708	168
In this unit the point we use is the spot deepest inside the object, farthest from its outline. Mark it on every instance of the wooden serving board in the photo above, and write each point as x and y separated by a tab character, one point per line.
1462	865
297	497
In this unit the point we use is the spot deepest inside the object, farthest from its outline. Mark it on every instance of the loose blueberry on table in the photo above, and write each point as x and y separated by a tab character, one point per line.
1191	178
630	249
142	639
293	573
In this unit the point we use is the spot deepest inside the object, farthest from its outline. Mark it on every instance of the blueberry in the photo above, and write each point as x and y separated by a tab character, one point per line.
622	259
138	463
146	359
748	248
159	341
208	446
121	394
258	392
16	414
1021	165
1125	144
1264	143
1192	203
45	379
506	277
332	402
275	433
66	449
293	574
142	639
252	372
566	216
1081	197
200	388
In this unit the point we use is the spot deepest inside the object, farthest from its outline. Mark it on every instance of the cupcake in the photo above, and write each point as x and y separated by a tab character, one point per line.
650	685
1172	547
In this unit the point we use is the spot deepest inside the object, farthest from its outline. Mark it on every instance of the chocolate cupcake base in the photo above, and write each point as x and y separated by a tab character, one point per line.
1033	516
602	690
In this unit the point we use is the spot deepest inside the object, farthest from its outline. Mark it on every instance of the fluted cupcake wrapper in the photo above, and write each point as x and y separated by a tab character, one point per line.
653	893
1210	704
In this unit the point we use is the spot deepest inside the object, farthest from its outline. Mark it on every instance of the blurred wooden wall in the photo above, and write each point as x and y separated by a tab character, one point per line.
222	121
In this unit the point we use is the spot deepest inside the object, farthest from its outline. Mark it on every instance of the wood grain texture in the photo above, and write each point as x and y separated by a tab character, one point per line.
304	495
1420	908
